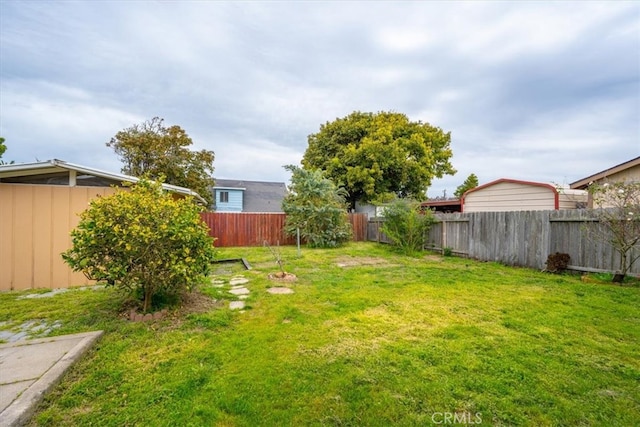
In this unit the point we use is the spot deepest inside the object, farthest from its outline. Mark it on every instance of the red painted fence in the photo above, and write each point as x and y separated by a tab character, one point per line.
253	229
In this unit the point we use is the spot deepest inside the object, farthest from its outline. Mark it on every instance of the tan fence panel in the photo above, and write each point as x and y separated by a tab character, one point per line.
42	245
35	223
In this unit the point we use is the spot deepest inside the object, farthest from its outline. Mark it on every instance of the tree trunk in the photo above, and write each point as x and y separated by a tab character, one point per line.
147	300
352	204
618	278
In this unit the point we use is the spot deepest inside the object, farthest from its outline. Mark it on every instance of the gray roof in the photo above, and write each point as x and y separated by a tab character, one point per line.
57	172
259	196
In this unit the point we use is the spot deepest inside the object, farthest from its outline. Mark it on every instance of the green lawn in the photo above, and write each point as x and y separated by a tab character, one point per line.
369	338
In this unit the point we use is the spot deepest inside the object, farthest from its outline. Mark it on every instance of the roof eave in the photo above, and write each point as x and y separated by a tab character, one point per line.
584	182
56	165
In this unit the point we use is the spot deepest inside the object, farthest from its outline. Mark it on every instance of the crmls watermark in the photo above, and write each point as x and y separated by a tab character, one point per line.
466	418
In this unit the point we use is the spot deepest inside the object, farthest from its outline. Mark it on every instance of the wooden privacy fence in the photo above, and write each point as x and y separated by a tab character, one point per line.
524	238
253	229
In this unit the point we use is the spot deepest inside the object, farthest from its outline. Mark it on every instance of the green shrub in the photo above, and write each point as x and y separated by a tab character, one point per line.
406	226
142	241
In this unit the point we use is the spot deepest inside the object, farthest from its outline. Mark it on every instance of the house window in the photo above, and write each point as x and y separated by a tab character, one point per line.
224	197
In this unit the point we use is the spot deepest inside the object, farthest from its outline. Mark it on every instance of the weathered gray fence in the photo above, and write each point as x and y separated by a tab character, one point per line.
520	238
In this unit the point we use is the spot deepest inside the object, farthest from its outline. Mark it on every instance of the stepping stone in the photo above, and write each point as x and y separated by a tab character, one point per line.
238	281
278	290
239	291
236	305
46	294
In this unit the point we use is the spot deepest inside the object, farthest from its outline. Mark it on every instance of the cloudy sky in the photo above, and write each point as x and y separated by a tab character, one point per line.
540	91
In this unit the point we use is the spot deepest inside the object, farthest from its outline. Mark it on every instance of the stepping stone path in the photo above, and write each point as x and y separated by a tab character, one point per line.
28	329
217	283
236	305
235	281
239	291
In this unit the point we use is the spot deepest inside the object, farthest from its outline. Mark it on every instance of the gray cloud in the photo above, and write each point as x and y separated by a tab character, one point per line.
538	91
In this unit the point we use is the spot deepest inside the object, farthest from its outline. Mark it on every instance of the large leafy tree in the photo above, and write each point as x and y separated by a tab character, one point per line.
157	151
142	241
468	184
374	155
316	207
3	148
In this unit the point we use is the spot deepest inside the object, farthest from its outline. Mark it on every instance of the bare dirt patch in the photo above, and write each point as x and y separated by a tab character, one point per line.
280	290
197	302
191	303
358	261
283	277
436	258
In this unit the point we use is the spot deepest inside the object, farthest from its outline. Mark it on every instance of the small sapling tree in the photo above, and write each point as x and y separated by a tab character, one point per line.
618	220
277	255
406	226
317	208
142	241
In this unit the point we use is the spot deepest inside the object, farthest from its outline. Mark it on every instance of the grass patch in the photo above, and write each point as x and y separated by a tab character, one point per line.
369	337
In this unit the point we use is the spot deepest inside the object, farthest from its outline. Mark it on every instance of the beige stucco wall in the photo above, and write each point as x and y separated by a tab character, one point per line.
509	196
629	175
35	222
573	199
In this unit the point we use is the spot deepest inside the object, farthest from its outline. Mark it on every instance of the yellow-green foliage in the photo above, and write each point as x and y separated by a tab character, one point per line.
143	241
376	154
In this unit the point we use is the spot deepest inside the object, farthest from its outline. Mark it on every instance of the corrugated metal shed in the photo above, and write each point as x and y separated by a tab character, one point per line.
515	195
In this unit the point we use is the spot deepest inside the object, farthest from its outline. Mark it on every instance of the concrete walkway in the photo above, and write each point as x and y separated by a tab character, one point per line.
30	368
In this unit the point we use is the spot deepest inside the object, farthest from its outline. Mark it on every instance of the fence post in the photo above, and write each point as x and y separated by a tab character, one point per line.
443	237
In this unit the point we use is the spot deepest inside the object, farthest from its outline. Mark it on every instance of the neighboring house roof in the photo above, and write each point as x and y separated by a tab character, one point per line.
584	182
258	196
59	172
509	180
